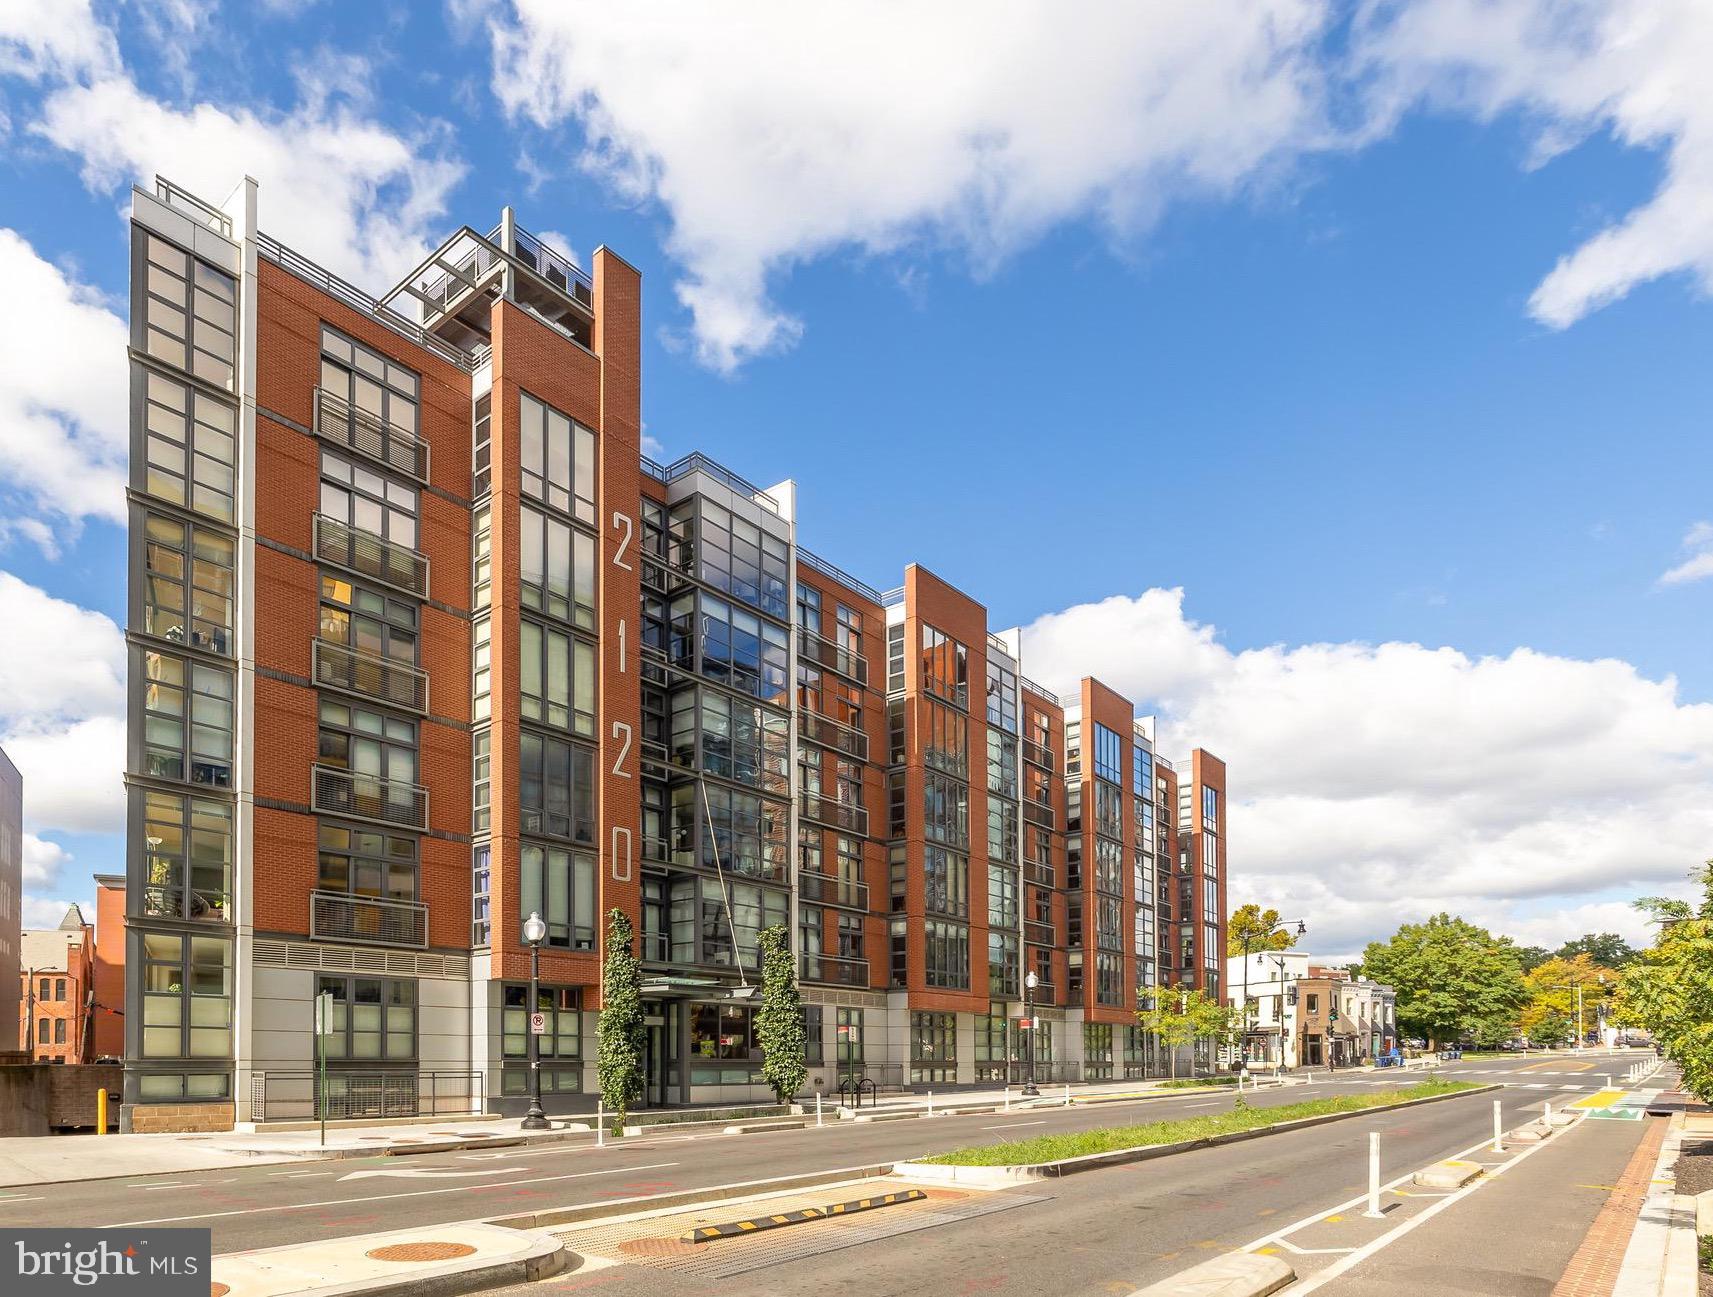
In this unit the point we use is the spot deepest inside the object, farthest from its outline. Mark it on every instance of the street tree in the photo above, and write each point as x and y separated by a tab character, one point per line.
1160	1012
1451	978
1259	928
1212	1020
620	1027
1532	957
1607	949
1668	988
1550	1010
779	1023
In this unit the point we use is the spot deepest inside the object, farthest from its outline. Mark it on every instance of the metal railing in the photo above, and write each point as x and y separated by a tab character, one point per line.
1038	872
822	651
368	797
299	1095
696	462
551	264
844	578
1036	754
339	916
1037	933
892	596
369	555
1040	691
1045	993
869	1078
343	423
994	642
185	201
830	733
838	815
835	969
396	683
357	299
1038	813
825	889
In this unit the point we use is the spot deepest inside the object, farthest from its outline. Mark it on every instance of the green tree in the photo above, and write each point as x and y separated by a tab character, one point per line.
1212	1020
1158	1010
1607	949
779	1023
1451	978
1550	1012
620	1027
1260	928
1668	988
1532	957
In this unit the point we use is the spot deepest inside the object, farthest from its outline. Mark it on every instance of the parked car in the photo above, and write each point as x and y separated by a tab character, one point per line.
1450	1053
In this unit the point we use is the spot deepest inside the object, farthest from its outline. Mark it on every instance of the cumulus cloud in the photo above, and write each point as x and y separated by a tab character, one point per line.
1698	563
42	862
69	42
1633	68
62	707
772	132
63	414
1374	783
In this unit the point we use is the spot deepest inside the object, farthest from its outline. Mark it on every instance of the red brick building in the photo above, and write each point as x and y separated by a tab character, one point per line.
422	643
57	979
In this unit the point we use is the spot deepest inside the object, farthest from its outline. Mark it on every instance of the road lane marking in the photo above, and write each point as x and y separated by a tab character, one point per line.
1016	1125
387	1197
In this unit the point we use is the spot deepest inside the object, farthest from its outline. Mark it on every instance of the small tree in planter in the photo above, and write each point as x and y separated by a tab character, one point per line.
779	1024
621	1030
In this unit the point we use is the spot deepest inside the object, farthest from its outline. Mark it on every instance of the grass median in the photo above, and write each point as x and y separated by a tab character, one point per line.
1054	1148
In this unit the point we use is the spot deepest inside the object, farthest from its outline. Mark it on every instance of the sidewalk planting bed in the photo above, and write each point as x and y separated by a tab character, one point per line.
1195	1083
1053	1148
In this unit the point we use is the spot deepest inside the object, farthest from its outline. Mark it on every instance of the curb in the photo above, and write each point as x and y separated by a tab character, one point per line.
685	1197
1002	1176
540	1257
1236	1274
738	1228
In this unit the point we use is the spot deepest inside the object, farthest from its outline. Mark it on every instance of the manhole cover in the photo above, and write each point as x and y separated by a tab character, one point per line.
657	1247
218	1290
420	1252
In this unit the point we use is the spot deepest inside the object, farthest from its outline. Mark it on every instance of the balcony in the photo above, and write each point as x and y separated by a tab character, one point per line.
367	554
828	890
1037	933
1038	872
394	683
823	652
831	734
336	916
1038	813
1044	993
836	970
342	423
369	797
1037	755
836	815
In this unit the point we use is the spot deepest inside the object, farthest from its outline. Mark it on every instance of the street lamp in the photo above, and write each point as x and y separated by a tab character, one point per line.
1566	986
1030	982
534	932
1249	939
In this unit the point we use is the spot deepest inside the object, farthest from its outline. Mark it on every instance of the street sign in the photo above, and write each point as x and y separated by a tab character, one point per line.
538	1024
1026	1024
324	1014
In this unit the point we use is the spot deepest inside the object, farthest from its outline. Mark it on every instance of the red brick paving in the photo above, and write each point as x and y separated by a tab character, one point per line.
1593	1271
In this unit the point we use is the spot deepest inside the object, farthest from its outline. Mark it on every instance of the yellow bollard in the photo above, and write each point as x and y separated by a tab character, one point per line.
101	1112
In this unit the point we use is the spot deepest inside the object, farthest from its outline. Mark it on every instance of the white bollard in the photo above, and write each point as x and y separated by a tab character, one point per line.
1374	1212
930	1103
600	1123
1498	1129
1608	1081
1546	1118
817	1110
1067	1094
1007	1099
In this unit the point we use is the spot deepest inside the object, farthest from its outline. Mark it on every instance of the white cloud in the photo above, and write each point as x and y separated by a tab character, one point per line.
772	133
1698	566
62	701
63	414
46	912
1634	68
37	45
42	862
1373	784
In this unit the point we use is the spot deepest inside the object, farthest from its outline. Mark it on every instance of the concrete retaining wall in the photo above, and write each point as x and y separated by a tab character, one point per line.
40	1098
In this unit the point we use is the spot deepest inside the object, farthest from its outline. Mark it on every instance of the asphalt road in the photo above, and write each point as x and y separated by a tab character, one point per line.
263	1206
1115	1230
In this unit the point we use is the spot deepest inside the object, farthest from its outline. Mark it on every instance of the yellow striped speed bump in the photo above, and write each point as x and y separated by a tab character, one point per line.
738	1228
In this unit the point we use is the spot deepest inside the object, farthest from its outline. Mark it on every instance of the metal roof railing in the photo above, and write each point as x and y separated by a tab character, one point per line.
826	569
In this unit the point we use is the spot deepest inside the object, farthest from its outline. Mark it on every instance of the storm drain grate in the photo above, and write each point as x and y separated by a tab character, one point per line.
654	1243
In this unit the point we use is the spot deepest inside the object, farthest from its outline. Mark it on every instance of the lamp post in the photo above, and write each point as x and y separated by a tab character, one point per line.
1249	939
534	931
1030	982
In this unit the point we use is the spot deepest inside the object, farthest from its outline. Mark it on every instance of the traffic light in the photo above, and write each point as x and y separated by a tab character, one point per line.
1332	1012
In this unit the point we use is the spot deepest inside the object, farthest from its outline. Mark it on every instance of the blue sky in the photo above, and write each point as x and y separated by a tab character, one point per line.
1293	343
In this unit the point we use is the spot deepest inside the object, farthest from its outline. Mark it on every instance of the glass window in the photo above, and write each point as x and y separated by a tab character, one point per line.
365	499
188	447
1001	696
748	830
558	678
481	919
557	459
187	720
733	554
373	1017
368	382
482	452
933	1047
945	667
948	954
945	738
187	587
562	1006
556	787
945	809
187	316
187	838
187	996
1108	754
738	648
945	882
366	862
556	568
559	885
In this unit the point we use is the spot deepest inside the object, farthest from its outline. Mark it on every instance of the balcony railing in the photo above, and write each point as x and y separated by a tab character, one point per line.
835	969
831	734
337	916
1038	813
1037	933
828	890
200	212
395	683
837	815
303	1096
1044	993
822	651
345	792
340	422
1039	873
1036	754
367	554
843	577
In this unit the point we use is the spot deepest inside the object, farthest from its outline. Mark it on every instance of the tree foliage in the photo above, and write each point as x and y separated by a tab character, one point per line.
1550	1011
1452	978
779	1023
1668	988
1260	928
1181	1016
1606	949
621	1030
